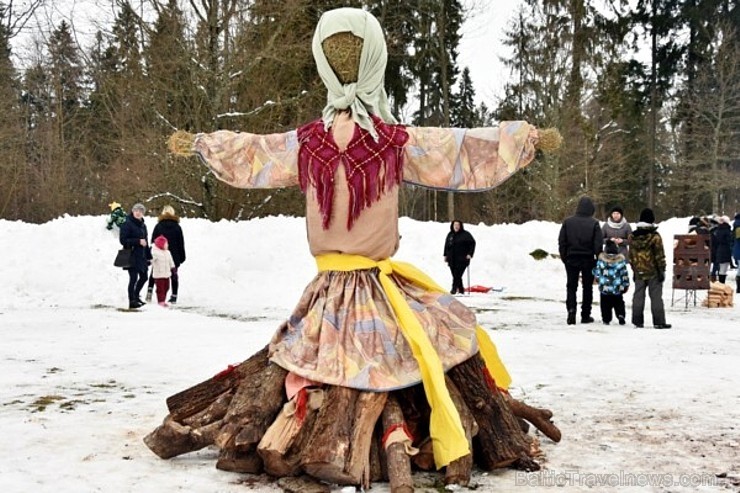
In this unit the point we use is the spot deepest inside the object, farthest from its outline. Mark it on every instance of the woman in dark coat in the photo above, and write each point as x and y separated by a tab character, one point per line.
134	235
169	227
722	248
459	249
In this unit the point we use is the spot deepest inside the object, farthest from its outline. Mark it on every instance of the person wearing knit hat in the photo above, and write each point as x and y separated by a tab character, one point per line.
134	235
647	216
117	216
350	163
162	266
722	240
647	257
617	229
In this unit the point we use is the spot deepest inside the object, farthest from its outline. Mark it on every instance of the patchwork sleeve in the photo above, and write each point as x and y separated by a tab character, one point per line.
245	160
476	159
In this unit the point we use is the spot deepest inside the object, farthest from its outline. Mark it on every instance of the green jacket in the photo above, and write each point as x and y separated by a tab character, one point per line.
646	253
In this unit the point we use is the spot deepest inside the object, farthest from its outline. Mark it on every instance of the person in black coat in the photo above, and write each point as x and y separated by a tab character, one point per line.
722	248
459	249
134	235
580	243
169	227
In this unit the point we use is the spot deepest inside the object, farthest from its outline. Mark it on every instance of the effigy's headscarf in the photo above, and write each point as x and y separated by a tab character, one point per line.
367	96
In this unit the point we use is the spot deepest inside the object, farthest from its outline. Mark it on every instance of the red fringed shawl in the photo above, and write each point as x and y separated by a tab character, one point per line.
371	167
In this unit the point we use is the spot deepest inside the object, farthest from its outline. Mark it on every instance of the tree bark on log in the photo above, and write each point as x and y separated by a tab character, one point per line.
214	412
398	464
500	440
253	408
233	460
285	439
200	396
458	471
339	446
539	417
378	465
171	439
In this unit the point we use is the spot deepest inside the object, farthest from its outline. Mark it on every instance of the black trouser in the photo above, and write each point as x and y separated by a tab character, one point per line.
174	282
458	269
609	302
136	281
583	267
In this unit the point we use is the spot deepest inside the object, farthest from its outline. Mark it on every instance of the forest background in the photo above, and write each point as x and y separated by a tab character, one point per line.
645	93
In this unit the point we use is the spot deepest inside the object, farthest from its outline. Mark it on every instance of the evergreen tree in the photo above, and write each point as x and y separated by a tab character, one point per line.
12	165
463	113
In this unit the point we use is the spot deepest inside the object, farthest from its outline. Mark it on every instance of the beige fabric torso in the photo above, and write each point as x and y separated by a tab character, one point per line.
374	233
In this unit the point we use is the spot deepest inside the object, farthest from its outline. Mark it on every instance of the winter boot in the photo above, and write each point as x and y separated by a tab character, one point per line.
587	319
173	299
149	294
737	285
621	320
133	305
572	318
722	278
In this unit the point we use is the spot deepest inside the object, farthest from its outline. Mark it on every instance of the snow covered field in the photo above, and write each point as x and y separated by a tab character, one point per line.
81	382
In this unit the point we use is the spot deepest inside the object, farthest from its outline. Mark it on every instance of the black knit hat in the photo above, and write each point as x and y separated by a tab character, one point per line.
616	208
647	216
611	247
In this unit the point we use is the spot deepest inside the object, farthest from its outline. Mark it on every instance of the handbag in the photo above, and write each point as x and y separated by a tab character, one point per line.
123	258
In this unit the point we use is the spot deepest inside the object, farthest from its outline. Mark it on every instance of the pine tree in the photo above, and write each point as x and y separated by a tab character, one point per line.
11	131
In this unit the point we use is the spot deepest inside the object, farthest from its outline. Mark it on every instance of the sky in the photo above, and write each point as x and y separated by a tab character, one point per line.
83	381
480	47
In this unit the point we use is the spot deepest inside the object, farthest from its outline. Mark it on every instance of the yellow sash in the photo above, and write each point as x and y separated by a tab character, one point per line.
448	438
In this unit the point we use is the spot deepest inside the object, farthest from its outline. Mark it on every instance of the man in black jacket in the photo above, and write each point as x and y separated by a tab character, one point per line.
580	243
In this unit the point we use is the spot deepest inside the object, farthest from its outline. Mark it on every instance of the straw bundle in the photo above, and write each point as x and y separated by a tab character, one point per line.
550	140
180	143
342	51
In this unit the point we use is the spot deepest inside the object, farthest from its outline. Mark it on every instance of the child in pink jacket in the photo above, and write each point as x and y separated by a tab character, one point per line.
162	265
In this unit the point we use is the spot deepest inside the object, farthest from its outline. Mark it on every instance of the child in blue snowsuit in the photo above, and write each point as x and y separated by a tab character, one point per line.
613	278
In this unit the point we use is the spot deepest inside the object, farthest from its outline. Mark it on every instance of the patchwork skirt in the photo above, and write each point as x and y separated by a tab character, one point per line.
343	332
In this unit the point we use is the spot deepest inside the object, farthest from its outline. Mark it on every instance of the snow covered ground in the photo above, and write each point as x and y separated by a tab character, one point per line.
81	382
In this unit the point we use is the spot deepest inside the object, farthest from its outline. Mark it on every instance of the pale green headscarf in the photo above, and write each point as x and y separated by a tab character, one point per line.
367	96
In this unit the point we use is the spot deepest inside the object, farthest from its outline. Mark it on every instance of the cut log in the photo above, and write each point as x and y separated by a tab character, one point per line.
253	408
540	418
424	460
200	396
212	413
171	439
339	446
378	465
284	440
398	464
230	459
500	440
458	471
416	411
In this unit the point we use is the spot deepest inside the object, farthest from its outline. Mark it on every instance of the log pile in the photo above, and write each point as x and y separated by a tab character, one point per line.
345	436
720	296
